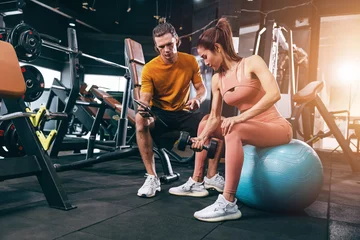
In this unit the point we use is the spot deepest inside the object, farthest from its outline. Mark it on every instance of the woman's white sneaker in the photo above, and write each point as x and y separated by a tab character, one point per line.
221	210
190	188
217	182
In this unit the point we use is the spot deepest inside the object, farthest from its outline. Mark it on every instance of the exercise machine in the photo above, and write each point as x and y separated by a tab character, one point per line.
309	96
36	162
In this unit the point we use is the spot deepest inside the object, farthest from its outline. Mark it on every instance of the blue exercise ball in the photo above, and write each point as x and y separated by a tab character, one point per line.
288	177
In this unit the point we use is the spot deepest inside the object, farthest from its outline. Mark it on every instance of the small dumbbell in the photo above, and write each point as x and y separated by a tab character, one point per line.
184	140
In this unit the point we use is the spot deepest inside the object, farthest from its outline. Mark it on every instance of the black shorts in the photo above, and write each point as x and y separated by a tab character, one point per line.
176	121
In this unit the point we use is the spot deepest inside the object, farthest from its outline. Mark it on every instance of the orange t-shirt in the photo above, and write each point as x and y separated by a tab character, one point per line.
170	83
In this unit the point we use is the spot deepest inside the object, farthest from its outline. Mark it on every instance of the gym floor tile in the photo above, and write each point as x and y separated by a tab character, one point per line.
118	195
17	180
81	236
12	198
341	230
345	213
325	190
224	233
340	165
317	209
112	180
86	213
343	182
180	206
69	185
292	225
350	199
134	169
29	229
108	208
150	224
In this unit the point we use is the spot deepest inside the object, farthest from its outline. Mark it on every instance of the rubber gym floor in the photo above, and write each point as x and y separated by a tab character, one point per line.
108	208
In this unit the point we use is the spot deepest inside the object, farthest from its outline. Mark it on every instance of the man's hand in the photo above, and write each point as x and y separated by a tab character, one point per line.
143	109
194	104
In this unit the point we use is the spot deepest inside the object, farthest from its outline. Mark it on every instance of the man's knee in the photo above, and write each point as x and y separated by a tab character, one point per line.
206	117
142	124
203	121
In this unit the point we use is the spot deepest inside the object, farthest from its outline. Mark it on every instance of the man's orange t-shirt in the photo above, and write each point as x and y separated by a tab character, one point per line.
170	83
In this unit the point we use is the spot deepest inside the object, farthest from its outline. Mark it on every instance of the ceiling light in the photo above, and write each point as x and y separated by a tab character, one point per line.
92	8
129	6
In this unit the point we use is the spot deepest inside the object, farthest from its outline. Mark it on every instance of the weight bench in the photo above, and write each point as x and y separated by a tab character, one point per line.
36	162
309	96
110	103
86	96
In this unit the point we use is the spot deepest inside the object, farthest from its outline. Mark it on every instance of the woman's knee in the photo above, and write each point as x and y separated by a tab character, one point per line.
236	133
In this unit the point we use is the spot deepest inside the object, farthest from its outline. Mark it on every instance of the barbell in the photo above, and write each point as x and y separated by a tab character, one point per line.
28	43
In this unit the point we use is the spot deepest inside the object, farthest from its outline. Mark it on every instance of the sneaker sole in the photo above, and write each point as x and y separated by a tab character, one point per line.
190	194
234	216
149	196
208	186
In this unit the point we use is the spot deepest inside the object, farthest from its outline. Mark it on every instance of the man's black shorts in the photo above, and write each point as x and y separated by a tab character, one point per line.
176	121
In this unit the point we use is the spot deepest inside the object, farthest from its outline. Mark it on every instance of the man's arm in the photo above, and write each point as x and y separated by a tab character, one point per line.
199	86
147	88
145	98
200	91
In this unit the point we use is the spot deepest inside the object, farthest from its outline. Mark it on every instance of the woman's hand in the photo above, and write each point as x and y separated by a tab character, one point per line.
197	143
228	123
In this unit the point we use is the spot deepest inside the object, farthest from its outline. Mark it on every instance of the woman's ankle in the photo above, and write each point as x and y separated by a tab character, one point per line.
229	197
197	179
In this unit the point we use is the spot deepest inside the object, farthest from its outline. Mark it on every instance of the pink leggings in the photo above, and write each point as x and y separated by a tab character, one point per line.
253	132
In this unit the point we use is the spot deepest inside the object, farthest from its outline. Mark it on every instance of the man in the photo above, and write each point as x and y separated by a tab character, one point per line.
165	85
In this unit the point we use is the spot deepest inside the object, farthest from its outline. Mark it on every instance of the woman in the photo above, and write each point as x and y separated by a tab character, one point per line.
247	84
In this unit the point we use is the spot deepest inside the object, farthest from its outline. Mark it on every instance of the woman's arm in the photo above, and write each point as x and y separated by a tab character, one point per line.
256	65
215	113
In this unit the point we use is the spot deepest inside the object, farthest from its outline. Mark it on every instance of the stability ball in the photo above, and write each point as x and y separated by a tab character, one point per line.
288	177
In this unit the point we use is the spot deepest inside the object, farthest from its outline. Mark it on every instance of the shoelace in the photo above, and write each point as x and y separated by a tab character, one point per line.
220	205
218	178
188	185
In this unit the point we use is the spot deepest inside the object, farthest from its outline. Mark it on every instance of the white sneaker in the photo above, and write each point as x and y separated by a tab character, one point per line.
190	188
221	210
217	182
150	187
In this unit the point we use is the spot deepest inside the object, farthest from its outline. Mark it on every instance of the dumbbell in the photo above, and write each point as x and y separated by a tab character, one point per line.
184	140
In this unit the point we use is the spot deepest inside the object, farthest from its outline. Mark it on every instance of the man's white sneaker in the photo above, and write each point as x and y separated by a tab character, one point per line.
190	188
221	210
217	182
150	187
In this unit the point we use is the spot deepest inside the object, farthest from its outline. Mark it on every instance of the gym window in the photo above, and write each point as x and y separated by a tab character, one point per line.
107	82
